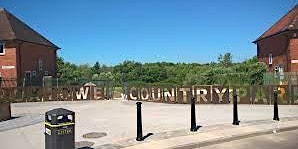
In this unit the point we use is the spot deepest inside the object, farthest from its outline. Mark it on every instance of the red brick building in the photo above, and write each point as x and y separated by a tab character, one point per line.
278	46
24	53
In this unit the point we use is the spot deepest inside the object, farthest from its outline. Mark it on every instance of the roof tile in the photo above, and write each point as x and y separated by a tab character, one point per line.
287	22
13	28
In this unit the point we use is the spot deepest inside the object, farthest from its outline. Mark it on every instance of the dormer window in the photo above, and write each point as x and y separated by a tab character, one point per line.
2	49
270	59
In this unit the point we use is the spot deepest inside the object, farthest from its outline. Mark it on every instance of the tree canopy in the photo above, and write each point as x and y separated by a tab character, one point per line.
222	72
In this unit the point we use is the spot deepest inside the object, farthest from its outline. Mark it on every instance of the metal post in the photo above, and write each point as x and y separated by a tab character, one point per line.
193	126
139	122
275	117
235	108
57	82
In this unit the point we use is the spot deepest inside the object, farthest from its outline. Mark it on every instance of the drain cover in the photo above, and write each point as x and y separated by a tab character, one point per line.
83	144
94	135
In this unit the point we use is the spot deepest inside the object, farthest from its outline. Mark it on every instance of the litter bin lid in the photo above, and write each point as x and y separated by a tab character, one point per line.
59	111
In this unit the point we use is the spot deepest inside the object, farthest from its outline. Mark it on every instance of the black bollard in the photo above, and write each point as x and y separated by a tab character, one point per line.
235	108
139	122
193	126
275	116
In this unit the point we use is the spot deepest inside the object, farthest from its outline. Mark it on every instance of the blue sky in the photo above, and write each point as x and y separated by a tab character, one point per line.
111	31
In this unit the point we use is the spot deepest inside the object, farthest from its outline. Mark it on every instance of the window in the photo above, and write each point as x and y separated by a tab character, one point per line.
2	49
46	73
40	64
270	59
28	74
34	73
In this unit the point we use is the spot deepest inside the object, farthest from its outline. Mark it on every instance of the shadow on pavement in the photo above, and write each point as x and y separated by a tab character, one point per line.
147	135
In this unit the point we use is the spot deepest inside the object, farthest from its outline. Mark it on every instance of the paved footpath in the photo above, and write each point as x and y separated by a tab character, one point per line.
115	122
225	134
282	140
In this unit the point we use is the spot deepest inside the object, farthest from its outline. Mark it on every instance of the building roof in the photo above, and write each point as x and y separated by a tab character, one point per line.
286	23
13	28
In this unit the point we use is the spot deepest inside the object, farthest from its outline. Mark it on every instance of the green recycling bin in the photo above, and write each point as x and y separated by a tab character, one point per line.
60	129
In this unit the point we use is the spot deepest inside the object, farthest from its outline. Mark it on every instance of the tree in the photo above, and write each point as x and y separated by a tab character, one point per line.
85	72
129	71
153	73
225	60
66	70
103	76
225	72
96	69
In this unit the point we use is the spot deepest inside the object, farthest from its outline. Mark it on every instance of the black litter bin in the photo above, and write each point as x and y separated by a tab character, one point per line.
59	129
